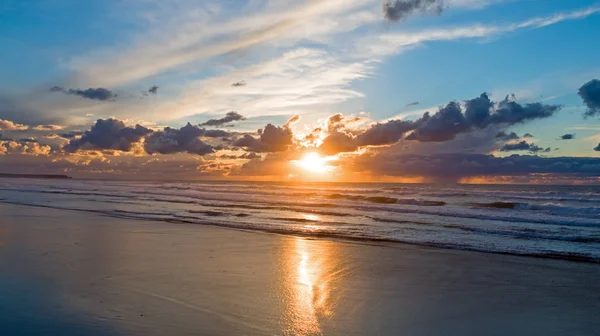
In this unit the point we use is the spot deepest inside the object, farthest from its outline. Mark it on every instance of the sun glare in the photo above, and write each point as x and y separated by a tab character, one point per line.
314	162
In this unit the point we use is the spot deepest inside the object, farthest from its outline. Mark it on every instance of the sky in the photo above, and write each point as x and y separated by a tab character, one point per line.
474	91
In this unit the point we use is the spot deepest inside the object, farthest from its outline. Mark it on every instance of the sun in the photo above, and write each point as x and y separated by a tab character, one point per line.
314	162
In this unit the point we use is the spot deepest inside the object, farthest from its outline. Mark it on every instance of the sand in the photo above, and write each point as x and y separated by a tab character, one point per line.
75	273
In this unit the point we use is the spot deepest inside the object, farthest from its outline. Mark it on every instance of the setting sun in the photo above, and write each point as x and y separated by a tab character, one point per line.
314	162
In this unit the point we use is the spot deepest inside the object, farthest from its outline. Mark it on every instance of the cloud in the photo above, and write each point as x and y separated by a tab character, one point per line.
442	126
7	125
590	93
520	146
72	134
24	148
109	134
392	43
230	117
48	128
480	113
597	149
239	84
271	139
412	104
453	166
527	135
153	89
387	133
91	93
398	10
171	141
507	137
203	33
567	137
524	146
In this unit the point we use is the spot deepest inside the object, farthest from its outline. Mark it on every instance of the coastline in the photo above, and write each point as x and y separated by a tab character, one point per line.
81	271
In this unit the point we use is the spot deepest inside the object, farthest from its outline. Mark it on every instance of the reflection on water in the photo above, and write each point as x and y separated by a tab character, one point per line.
312	284
310	217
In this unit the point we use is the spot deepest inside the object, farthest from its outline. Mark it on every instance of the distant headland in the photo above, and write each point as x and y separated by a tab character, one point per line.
34	176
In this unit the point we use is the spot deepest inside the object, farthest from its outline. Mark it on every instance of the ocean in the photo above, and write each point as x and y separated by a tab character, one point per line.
560	222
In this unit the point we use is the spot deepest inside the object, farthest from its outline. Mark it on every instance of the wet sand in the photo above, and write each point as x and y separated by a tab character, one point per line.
75	273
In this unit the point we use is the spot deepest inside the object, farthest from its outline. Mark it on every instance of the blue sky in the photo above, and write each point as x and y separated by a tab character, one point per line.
308	58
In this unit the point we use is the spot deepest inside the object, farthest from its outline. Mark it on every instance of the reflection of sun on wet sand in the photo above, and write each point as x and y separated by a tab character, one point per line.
311	278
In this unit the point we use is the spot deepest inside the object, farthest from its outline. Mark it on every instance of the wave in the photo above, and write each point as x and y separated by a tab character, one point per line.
386	200
554	209
354	235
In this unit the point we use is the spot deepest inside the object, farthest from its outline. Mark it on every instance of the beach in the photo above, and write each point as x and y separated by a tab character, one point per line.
76	273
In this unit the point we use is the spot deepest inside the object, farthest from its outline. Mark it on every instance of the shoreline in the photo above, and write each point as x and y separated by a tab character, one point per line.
70	272
317	235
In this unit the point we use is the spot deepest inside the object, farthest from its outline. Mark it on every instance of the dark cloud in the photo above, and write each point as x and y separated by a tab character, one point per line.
590	93
216	134
28	140
597	149
172	140
527	135
239	84
153	89
510	112
412	104
567	137
387	133
477	110
458	165
338	142
398	10
71	135
246	156
524	146
108	134
230	117
271	140
507	137
480	113
537	149
442	126
520	146
91	93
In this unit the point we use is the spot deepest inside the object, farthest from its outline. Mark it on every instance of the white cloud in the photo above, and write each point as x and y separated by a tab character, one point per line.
393	43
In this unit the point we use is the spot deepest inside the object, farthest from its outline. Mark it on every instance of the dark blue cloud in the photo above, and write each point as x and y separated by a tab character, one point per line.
398	10
272	139
172	140
507	137
230	117
91	93
524	146
567	137
590	93
108	134
458	165
480	113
